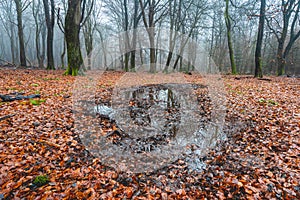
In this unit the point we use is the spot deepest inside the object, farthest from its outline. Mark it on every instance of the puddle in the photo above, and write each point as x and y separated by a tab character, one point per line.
151	111
150	119
156	124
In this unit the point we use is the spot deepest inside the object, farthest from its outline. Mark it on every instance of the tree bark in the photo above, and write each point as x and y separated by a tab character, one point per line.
258	58
12	43
151	33
39	31
229	39
62	56
126	27
50	33
152	50
172	25
150	26
72	30
134	35
88	38
280	59
20	32
290	10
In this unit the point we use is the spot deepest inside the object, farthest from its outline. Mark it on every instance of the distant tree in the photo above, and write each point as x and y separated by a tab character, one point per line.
7	17
152	12
125	15
61	25
190	24
136	19
175	17
88	31
40	32
261	23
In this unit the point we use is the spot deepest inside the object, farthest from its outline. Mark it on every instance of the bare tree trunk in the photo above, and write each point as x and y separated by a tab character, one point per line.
103	46
151	32
229	39
290	10
152	50
150	25
39	31
9	26
258	58
50	25
12	43
280	59
126	27
20	32
134	35
173	20
88	38
62	56
43	33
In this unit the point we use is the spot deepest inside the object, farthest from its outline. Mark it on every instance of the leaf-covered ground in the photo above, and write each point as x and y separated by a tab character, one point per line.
41	157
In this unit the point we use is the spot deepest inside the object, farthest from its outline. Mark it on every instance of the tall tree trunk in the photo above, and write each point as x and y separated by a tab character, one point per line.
43	32
280	59
134	36
290	10
20	32
62	56
126	27
184	41
103	46
40	31
261	24
37	37
88	39
150	26
293	35
152	50
12	43
151	32
229	39
50	33
72	30
172	36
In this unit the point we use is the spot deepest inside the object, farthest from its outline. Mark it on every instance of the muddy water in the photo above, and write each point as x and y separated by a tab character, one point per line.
152	110
156	125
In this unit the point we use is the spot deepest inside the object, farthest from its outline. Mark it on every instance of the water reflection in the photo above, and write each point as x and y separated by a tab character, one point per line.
152	110
156	125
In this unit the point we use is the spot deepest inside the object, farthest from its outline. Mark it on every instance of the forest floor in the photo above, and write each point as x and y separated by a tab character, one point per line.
41	156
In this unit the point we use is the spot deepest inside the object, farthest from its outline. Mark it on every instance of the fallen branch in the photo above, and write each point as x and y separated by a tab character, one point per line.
13	64
264	79
6	117
243	77
7	98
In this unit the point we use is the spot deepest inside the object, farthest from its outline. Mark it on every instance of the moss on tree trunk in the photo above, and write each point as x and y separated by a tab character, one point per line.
72	29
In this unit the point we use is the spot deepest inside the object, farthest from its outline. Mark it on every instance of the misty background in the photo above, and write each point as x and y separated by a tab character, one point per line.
202	20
